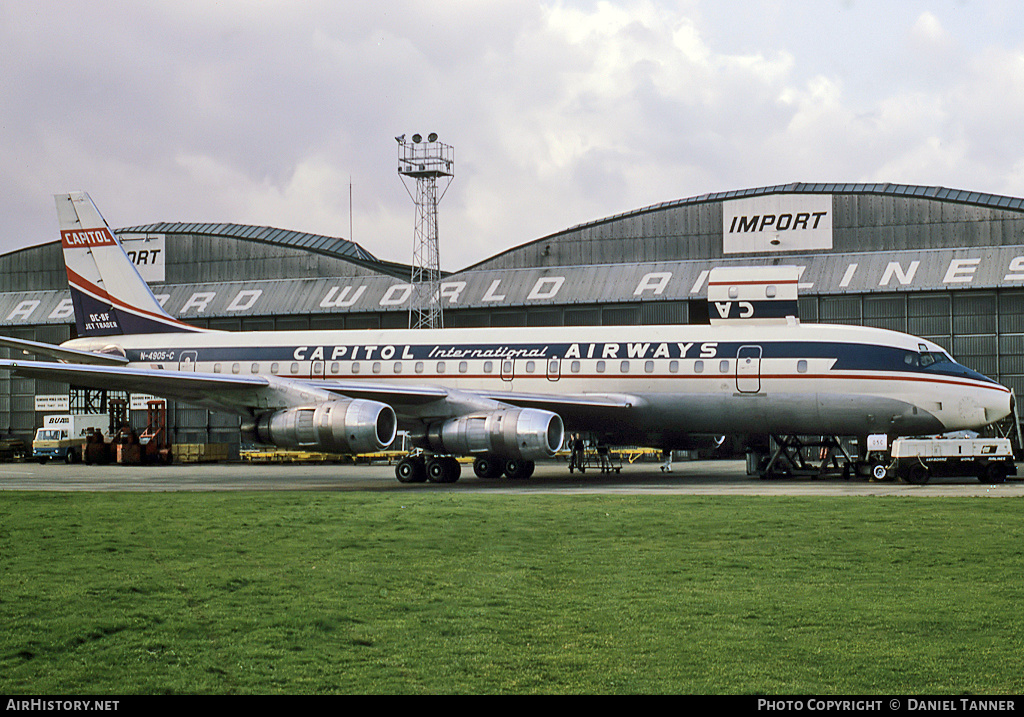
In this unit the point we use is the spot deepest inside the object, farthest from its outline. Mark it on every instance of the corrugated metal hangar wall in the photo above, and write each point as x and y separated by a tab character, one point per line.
944	264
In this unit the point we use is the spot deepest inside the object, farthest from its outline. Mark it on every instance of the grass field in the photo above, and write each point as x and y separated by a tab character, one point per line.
117	593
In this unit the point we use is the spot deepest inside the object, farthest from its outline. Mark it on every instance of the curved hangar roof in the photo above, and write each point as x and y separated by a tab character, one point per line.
799	217
192	266
334	247
848	238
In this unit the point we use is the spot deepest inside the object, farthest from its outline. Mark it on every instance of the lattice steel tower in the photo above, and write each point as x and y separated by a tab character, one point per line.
430	163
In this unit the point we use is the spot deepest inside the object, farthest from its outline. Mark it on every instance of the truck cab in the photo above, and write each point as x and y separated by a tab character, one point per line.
51	444
62	437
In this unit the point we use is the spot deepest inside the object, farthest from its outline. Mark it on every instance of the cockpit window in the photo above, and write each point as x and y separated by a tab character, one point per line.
925	359
930	358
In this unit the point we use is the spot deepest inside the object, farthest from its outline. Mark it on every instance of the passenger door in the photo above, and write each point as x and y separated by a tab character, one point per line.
187	360
748	369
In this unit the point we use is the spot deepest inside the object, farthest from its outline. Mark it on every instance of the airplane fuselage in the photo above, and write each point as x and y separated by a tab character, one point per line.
783	378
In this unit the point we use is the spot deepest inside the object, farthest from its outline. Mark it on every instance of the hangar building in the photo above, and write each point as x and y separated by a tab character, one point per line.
940	263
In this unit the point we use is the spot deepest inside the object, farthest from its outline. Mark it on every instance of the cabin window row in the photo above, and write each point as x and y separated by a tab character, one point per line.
441	367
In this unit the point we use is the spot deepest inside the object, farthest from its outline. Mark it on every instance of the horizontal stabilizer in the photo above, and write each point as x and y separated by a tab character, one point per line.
63	353
761	294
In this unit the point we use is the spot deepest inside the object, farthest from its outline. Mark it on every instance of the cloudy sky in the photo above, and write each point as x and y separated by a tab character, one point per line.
560	112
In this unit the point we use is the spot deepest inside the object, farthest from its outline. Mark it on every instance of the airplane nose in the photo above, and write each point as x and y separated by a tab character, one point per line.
1009	406
999	406
996	403
976	411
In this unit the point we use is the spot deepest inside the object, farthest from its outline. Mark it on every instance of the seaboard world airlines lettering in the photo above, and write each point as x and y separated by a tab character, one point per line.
507	396
688	280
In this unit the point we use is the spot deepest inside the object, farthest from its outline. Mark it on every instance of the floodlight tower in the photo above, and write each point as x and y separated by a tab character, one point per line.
430	163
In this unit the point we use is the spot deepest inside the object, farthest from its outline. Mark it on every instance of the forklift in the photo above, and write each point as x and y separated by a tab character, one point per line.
127	448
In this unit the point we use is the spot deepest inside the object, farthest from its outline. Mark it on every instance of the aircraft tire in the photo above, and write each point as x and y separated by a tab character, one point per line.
487	467
452	469
435	470
410	470
443	470
519	470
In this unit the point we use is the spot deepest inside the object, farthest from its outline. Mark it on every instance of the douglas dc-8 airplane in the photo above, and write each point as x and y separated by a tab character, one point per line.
507	396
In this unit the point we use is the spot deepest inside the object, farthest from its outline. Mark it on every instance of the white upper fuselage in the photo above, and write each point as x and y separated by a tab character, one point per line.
749	377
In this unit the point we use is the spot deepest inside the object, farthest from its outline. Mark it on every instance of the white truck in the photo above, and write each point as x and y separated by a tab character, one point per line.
62	436
916	460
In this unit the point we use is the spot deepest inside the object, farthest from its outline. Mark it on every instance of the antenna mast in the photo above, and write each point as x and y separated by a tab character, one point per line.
428	163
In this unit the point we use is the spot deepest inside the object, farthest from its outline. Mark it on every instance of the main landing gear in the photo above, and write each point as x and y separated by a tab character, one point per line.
419	468
491	467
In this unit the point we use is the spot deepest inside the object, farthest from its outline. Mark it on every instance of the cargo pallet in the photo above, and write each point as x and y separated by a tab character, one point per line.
200	452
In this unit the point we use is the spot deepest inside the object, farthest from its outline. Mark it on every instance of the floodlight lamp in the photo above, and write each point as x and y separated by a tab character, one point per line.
417	139
432	137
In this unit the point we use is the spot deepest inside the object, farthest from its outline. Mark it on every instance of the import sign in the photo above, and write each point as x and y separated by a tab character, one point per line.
777	223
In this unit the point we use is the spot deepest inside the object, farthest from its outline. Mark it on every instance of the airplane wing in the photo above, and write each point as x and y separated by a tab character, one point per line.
62	354
566	403
218	390
551	401
408	394
597	411
241	394
427	403
197	388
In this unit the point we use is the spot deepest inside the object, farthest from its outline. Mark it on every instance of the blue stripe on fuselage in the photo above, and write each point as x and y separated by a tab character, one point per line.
847	356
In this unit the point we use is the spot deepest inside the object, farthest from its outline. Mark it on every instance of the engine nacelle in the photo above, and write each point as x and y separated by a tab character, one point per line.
343	426
526	434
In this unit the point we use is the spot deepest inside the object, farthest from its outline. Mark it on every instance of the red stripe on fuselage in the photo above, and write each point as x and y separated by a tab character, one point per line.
755	282
554	378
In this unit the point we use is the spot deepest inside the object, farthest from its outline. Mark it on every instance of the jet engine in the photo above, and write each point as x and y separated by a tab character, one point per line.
342	426
525	434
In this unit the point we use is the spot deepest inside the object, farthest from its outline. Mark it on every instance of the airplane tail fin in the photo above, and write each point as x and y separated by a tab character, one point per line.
109	295
763	294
